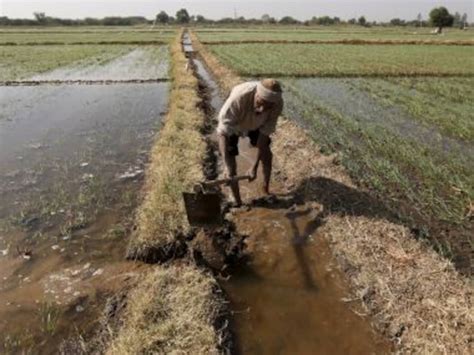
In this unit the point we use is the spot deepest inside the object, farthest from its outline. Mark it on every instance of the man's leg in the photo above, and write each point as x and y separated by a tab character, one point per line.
228	147
264	154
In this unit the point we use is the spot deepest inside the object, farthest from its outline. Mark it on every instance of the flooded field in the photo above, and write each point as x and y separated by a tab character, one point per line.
409	140
289	298
72	160
138	64
346	98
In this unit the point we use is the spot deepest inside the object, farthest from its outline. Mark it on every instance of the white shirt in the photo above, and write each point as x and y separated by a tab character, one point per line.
237	115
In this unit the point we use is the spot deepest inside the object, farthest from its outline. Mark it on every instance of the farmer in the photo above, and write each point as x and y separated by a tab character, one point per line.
251	110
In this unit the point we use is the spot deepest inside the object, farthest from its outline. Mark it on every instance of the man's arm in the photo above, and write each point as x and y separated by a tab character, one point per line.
229	160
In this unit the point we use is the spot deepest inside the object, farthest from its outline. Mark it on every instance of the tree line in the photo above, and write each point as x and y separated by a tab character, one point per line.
438	17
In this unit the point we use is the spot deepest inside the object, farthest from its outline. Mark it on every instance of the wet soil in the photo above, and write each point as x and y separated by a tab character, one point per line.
288	298
71	166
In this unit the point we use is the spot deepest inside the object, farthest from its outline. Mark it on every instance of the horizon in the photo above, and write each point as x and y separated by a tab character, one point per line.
215	10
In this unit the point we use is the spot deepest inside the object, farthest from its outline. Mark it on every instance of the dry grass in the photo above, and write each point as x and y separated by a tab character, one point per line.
171	311
176	164
415	296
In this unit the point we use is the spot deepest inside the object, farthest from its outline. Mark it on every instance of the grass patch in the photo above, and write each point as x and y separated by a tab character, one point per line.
23	61
49	315
172	310
345	60
176	164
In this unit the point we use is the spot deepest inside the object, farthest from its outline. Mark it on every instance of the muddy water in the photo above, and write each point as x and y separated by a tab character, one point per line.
71	165
289	298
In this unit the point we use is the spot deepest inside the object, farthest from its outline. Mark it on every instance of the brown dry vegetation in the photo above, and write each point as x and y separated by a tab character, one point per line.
171	311
415	296
176	165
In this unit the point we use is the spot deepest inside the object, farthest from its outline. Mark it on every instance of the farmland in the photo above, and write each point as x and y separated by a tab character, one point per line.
103	129
72	159
103	37
328	34
400	116
345	60
409	169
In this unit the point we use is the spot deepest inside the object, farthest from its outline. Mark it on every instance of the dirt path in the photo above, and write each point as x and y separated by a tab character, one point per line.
289	298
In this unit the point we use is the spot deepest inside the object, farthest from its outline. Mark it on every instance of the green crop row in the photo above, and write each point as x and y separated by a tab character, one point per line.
84	37
443	102
23	61
331	33
345	60
434	182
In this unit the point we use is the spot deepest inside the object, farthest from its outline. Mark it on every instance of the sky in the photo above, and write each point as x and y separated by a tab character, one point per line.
373	10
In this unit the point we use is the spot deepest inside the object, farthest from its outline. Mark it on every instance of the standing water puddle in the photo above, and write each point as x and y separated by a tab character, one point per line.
139	64
289	298
71	164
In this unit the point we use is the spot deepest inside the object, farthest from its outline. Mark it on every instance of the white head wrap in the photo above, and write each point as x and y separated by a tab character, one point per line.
267	94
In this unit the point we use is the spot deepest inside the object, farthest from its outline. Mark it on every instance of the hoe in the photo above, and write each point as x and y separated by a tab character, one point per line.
203	206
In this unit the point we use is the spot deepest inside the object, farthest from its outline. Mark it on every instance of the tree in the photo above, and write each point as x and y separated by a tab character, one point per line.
200	19
162	17
40	17
265	18
419	18
352	21
464	20
440	17
397	22
288	20
182	16
362	21
457	21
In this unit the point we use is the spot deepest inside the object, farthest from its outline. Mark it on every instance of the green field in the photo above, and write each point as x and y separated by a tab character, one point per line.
445	103
400	117
23	37
19	62
385	147
331	33
345	60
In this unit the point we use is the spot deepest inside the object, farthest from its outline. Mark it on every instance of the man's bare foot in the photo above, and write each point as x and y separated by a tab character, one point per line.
233	207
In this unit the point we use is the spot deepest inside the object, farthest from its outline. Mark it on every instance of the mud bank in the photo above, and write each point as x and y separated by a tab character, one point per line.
286	264
414	297
176	306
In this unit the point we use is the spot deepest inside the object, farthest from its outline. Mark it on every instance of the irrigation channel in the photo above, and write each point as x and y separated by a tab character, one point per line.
72	159
289	297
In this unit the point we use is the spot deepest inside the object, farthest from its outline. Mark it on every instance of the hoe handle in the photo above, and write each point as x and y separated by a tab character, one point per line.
225	181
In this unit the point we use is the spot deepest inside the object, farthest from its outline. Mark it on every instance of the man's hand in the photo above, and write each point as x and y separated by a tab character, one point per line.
252	173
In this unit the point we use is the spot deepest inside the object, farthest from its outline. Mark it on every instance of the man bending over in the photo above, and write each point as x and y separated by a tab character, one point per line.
251	110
